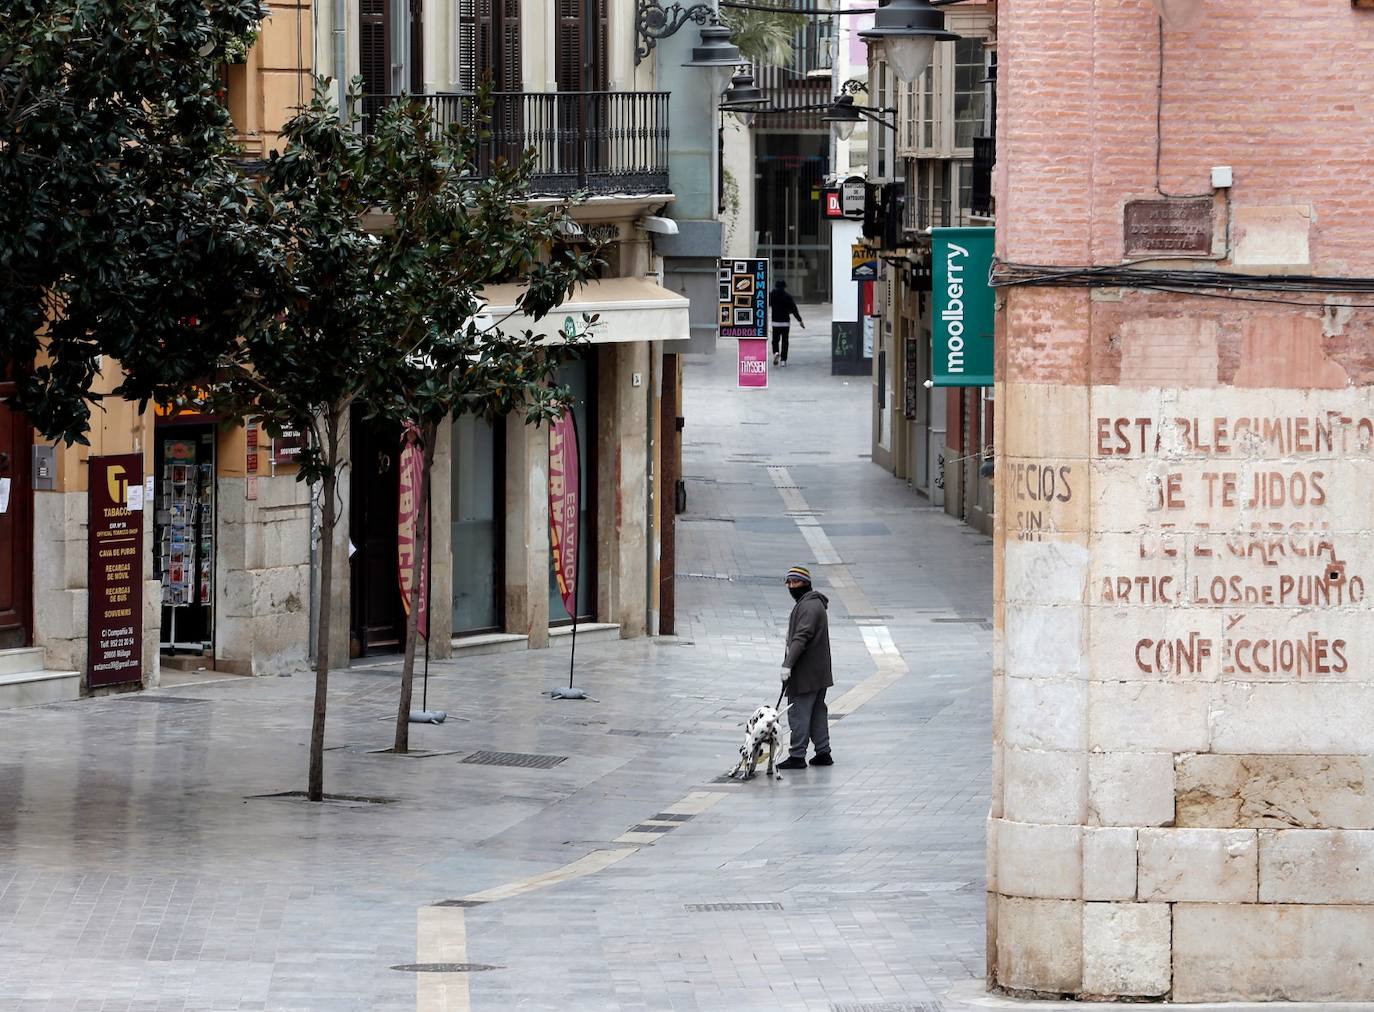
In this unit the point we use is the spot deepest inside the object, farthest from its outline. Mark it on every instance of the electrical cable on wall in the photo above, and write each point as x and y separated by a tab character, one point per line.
1159	126
1203	283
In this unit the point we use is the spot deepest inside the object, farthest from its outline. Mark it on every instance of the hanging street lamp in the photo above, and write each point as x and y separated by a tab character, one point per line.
906	31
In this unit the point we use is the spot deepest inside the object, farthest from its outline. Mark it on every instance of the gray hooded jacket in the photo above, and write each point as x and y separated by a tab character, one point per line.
808	645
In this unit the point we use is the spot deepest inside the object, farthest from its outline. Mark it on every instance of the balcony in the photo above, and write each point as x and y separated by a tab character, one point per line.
600	142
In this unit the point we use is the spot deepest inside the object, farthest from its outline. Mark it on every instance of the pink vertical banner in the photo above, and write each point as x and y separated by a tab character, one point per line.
407	525
564	489
753	362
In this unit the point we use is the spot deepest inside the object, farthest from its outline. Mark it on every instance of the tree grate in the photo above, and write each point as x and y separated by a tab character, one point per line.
886	1006
523	760
712	908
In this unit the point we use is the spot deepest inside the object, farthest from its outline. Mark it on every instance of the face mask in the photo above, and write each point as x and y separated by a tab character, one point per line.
797	592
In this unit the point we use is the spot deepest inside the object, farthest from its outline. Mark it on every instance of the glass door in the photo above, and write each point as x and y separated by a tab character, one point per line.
476	493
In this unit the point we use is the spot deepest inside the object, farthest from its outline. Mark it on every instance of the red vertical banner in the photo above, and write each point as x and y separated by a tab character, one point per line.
564	490
114	648
407	525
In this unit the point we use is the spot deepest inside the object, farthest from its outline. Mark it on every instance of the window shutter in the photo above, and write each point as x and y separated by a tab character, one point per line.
568	50
569	54
417	47
509	76
465	41
374	51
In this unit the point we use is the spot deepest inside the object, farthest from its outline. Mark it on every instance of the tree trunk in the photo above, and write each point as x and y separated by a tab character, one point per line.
329	518
418	573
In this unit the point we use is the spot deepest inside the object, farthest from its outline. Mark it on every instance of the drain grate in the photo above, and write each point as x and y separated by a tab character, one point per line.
445	967
458	903
961	621
712	908
143	698
886	1006
524	760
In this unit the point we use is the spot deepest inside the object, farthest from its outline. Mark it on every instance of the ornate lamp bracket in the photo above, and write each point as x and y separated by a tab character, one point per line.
654	21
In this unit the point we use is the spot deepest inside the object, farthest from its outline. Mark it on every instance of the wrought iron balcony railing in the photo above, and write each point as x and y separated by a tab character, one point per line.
603	142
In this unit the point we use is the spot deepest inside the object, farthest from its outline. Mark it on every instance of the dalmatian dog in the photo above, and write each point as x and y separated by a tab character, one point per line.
760	732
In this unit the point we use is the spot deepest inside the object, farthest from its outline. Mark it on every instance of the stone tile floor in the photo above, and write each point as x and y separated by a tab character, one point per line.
144	864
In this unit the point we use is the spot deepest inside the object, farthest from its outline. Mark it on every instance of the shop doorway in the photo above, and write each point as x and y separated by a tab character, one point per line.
16	527
183	541
377	619
579	376
477	495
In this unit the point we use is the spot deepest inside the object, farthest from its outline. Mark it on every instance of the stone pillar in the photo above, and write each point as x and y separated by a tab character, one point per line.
527	530
262	572
607	484
441	545
1182	694
631	406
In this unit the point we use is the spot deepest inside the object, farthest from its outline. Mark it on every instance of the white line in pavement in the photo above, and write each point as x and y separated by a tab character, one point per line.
820	544
441	937
879	641
585	865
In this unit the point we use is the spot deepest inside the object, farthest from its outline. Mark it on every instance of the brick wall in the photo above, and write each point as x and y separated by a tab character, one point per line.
1182	693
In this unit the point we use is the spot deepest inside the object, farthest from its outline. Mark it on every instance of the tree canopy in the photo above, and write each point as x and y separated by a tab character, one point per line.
121	204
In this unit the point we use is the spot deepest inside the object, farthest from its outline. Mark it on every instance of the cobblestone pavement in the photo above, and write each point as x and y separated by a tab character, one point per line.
146	865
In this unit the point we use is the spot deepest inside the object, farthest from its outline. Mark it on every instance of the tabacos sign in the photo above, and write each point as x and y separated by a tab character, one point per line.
961	259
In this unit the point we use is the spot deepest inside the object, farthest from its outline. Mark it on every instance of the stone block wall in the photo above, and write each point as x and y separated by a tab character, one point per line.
262	578
1182	700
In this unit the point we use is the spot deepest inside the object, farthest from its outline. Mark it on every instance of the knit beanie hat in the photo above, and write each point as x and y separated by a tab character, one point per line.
798	573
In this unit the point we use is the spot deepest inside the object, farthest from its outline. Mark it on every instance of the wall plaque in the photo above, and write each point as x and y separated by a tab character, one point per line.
114	647
1174	227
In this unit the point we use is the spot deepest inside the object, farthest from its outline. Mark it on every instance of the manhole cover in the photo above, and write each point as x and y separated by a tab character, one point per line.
711	908
525	760
445	967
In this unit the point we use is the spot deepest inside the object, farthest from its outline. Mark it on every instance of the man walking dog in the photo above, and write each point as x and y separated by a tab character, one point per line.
806	672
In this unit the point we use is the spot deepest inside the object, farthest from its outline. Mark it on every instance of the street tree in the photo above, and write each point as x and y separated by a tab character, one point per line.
119	222
455	222
314	345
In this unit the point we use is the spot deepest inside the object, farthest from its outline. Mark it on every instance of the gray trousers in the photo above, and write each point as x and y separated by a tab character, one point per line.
809	720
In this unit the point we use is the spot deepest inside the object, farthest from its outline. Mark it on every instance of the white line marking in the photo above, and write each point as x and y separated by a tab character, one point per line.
441	937
596	861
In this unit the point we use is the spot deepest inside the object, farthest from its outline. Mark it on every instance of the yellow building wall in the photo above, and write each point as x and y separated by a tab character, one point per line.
276	79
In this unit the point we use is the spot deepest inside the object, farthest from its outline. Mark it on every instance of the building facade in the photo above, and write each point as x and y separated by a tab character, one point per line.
931	172
224	570
568	85
1182	687
230	549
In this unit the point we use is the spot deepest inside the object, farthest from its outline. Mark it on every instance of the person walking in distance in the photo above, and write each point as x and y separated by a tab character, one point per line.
782	307
806	672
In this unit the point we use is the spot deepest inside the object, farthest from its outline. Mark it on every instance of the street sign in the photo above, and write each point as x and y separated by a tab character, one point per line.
853	195
114	648
743	308
963	313
863	263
